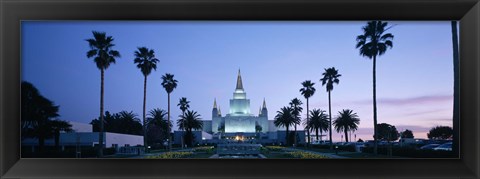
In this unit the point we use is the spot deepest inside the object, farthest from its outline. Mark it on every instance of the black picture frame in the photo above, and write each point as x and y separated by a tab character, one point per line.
13	11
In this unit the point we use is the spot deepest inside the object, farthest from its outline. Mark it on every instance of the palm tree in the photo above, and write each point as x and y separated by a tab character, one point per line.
330	77
101	49
183	104
190	121
57	126
346	121
284	118
318	121
295	104
169	84
307	91
146	62
372	43
157	125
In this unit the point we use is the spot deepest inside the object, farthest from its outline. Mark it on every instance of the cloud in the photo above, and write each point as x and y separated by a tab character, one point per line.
410	101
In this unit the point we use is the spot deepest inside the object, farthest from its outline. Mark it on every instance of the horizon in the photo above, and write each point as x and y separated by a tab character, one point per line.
414	78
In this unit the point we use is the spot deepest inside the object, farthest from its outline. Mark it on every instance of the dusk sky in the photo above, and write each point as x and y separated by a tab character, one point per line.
414	78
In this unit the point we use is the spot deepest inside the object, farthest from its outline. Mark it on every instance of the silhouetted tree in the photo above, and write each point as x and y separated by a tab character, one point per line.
295	104
157	126
189	122
183	103
330	77
407	134
440	132
307	91
146	62
319	121
285	118
372	43
169	84
346	121
101	49
58	126
387	132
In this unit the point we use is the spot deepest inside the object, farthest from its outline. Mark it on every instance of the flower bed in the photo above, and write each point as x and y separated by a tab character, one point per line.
275	148
305	155
167	155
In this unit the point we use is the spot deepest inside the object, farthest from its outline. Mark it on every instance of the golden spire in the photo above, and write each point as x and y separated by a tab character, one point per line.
239	81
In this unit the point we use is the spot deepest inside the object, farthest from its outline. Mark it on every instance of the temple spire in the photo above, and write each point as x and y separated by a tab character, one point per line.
239	81
214	103
264	104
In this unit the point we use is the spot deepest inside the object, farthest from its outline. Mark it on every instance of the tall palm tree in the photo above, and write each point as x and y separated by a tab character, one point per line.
330	77
146	62
456	85
346	121
307	91
103	54
169	84
295	104
58	126
372	43
157	122
319	121
183	103
284	118
190	121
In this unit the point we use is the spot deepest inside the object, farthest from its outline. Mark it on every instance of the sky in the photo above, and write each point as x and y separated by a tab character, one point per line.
414	78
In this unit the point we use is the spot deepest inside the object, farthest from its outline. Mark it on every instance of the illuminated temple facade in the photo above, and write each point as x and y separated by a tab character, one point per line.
239	119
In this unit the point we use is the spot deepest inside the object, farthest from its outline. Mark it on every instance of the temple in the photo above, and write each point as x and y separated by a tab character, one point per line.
240	123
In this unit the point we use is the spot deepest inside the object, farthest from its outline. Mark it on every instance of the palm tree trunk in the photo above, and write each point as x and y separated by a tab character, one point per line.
168	126
287	137
330	119
100	137
316	133
346	134
144	111
456	85
375	142
308	130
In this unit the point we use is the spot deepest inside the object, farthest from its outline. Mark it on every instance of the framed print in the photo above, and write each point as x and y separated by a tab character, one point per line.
218	88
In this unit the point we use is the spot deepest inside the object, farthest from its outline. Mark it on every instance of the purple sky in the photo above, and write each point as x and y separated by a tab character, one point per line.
414	78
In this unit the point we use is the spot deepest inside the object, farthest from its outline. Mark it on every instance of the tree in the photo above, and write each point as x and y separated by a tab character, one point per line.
330	77
387	132
319	121
157	126
146	62
169	84
183	103
307	91
189	122
295	104
372	43
407	134
101	50
346	121
37	112
58	126
123	122
284	118
440	132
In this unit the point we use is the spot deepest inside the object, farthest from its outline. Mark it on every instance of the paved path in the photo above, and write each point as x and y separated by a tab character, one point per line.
330	155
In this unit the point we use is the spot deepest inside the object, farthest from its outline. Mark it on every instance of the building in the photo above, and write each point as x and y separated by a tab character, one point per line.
240	124
83	135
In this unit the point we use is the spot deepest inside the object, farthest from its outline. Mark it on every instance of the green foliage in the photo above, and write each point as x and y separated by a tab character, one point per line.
275	148
346	121
190	121
440	132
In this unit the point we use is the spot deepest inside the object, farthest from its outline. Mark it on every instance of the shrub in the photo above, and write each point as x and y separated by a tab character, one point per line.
305	155
275	148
